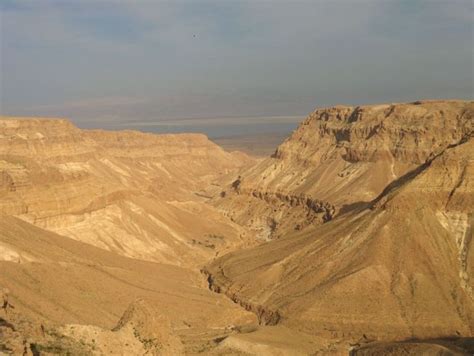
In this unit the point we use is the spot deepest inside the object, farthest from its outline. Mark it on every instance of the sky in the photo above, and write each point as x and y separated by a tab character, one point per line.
150	64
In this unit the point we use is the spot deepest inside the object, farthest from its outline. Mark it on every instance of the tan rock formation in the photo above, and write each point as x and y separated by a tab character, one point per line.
399	268
133	193
339	159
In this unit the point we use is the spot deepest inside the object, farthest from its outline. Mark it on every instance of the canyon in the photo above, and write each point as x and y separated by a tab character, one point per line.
353	237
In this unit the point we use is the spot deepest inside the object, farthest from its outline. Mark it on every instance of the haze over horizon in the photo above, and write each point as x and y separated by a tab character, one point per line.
121	64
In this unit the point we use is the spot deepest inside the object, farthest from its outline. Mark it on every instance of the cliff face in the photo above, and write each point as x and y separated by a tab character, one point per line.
133	193
341	158
402	268
42	138
398	266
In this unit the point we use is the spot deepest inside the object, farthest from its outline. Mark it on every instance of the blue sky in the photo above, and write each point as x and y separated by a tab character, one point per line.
113	63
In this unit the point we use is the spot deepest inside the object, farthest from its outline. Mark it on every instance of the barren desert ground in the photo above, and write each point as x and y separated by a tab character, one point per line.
354	236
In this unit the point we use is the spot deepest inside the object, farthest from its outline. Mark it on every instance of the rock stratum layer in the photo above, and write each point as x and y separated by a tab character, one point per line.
339	159
133	193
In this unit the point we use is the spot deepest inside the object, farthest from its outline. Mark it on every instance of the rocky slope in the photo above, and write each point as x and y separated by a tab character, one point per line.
91	221
341	158
81	291
137	194
399	266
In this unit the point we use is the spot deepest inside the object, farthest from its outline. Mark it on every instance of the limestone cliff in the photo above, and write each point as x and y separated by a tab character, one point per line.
341	158
399	266
134	193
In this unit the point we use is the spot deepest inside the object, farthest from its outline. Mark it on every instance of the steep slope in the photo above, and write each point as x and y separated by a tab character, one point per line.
140	195
401	268
339	159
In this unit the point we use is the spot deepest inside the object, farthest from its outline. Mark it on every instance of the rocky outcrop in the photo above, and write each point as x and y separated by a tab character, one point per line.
264	315
151	328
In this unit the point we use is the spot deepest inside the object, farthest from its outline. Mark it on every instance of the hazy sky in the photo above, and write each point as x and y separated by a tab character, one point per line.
103	63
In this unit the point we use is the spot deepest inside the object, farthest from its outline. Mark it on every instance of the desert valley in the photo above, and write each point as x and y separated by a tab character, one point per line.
353	237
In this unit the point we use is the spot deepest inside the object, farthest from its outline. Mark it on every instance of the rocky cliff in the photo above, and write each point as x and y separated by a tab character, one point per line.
399	263
341	158
133	193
